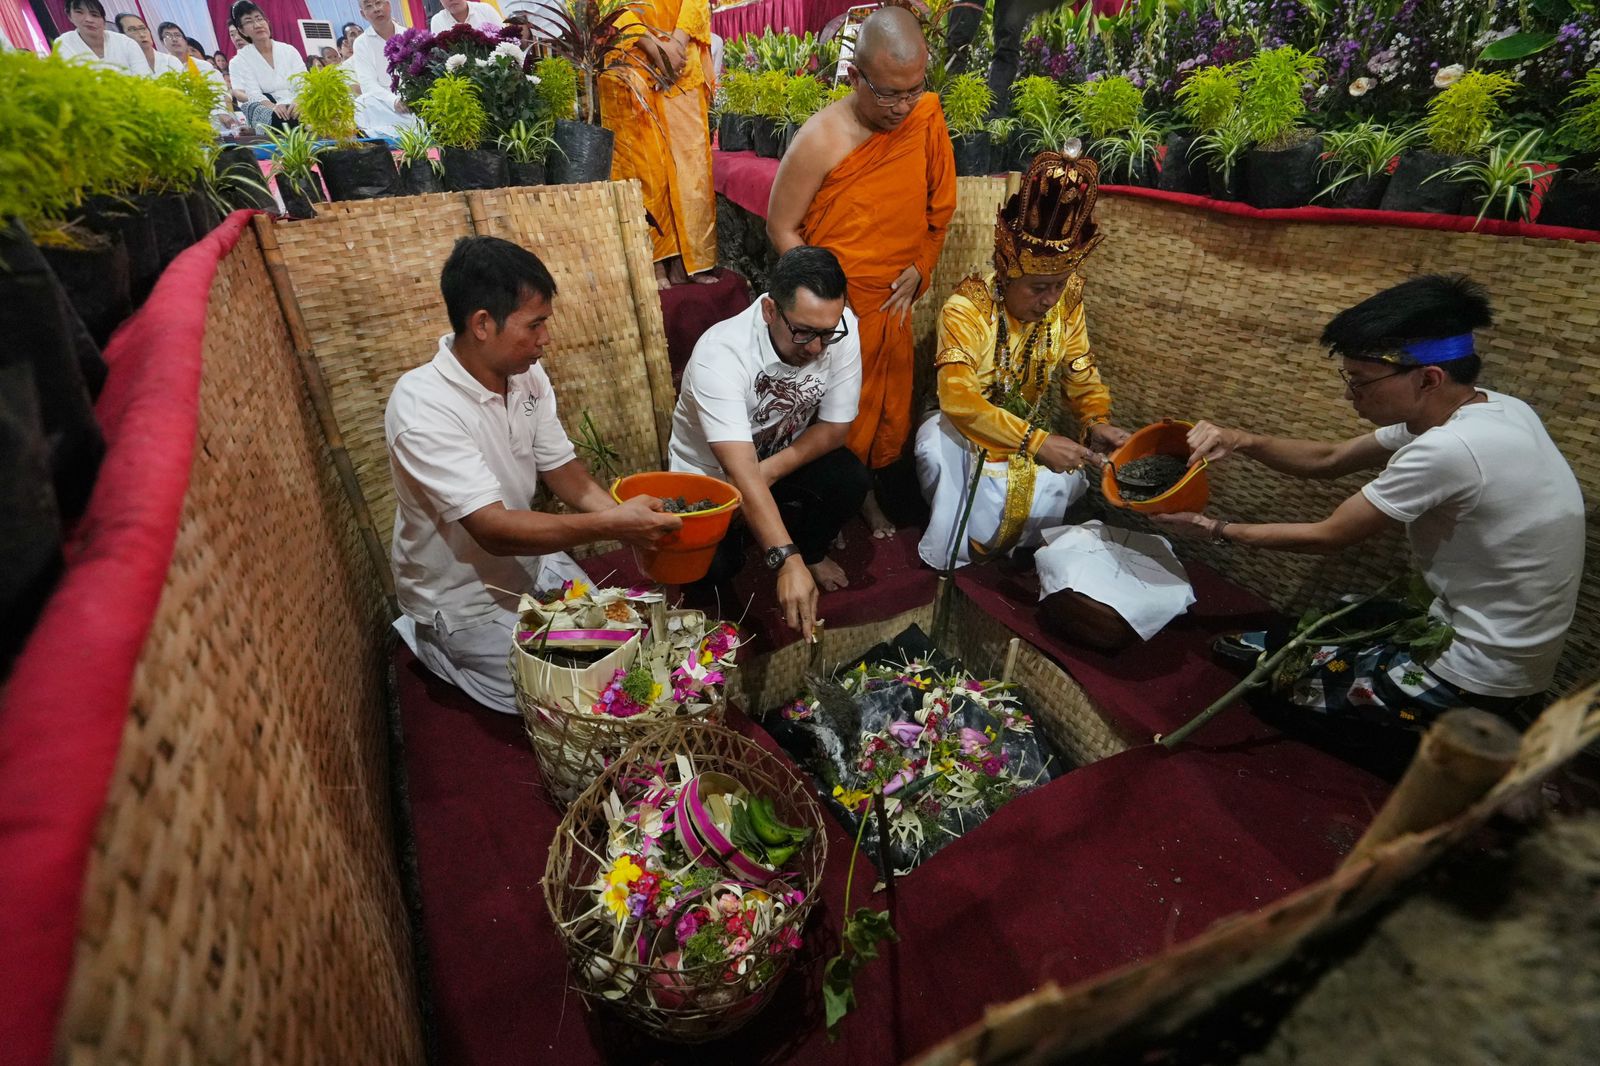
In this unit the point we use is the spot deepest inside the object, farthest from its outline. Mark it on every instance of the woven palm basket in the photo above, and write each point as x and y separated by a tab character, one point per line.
681	1005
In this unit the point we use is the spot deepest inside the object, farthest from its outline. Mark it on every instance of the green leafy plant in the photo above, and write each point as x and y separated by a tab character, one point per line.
526	142
203	94
1209	97
1222	148
1580	130
1124	153
1107	105
231	187
596	36
1273	102
169	152
1461	118
416	145
295	152
1363	151
771	96
454	113
558	86
597	453
326	104
863	931
739	93
803	96
967	100
1044	121
1503	179
1000	130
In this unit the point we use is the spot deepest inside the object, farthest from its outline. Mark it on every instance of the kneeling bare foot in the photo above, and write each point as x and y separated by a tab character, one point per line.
838	542
876	520
829	575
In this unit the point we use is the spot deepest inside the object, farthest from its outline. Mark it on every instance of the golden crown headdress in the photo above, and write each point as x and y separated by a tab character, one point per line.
1048	227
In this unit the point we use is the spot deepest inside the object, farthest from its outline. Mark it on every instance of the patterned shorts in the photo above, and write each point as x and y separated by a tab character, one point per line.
1383	685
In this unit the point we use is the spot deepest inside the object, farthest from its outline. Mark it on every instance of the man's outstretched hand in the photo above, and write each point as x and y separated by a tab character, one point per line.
640	521
797	596
1211	442
1064	455
1189	525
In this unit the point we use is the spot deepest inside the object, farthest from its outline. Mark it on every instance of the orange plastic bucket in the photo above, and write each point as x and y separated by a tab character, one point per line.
683	556
1167	437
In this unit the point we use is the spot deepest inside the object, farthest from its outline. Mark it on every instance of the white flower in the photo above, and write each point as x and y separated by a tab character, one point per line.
455	62
509	50
483	62
1362	86
1445	77
534	78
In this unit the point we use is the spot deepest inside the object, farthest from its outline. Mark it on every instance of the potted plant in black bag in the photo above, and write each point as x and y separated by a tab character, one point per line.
1207	100
770	99
420	170
1044	121
527	145
1280	170
1573	198
1459	122
1104	106
594	36
967	101
352	169
803	96
295	154
1221	154
1502	181
1129	156
1355	164
203	96
453	111
738	93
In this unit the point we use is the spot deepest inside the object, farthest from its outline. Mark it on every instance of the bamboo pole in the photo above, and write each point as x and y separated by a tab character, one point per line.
322	402
1461	757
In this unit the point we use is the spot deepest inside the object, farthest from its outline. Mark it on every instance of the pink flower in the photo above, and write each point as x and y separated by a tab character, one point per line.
689	924
907	733
972	741
898	781
994	764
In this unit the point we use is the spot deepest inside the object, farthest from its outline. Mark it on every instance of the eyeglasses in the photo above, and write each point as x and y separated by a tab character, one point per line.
1357	386
806	336
891	99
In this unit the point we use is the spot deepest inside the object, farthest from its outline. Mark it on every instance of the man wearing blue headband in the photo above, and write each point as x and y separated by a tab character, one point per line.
1492	511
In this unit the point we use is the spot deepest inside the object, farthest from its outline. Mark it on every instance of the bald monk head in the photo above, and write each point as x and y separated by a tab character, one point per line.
889	69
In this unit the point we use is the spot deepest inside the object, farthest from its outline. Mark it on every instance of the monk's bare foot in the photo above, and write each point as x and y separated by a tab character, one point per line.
662	280
829	575
676	275
705	277
877	521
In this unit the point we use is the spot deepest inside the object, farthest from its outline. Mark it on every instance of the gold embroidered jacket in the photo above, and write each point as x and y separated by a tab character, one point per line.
968	367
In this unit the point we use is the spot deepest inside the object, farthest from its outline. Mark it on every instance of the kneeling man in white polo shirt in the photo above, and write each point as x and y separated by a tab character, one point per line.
766	401
471	436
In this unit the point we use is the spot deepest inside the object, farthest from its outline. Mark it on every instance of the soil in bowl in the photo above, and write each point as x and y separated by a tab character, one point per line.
678	505
1150	476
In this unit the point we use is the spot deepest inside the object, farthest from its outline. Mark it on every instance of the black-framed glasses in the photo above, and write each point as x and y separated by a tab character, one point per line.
1357	386
890	99
804	336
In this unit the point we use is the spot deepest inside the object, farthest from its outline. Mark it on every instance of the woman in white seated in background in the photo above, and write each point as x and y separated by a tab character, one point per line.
89	42
263	69
138	31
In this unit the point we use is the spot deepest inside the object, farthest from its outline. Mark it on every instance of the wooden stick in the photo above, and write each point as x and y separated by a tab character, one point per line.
885	860
1012	647
1460	758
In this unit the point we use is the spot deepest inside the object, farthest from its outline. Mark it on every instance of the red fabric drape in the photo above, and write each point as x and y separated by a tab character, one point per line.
14	25
58	15
281	13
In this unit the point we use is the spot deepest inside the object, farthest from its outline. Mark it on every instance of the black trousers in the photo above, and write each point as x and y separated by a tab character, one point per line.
1011	17
815	502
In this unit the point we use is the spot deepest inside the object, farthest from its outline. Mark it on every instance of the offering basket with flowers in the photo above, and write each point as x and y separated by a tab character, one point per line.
680	880
596	669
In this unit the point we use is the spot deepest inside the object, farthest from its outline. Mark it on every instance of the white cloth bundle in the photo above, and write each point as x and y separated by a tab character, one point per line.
1135	574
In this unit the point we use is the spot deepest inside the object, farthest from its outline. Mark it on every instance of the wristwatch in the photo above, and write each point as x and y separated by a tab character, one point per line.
776	556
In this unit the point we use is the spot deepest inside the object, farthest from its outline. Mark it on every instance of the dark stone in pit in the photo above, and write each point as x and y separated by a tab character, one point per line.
1148	477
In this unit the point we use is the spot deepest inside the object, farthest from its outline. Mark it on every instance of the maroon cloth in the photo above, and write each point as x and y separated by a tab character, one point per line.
1110	864
791	16
281	14
64	707
689	310
745	178
886	578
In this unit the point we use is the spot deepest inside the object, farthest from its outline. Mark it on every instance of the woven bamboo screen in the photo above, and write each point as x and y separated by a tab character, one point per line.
1196	314
242	902
365	279
968	249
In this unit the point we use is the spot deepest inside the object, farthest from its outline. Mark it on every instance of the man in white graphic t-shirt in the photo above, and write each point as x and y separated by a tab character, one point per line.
1492	511
766	401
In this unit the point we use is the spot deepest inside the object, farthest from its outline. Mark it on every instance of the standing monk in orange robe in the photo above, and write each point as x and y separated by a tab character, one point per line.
663	135
872	179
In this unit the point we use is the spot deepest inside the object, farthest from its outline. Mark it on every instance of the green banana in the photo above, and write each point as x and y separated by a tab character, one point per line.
764	819
778	856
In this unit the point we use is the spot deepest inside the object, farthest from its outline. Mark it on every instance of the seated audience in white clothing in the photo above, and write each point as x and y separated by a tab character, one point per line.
379	109
472	435
89	41
467	13
136	30
264	69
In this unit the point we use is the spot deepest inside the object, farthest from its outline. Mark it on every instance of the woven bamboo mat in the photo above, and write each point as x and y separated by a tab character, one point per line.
245	848
1199	315
968	249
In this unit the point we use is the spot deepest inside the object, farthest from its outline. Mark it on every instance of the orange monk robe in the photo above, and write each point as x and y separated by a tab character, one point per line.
886	206
663	137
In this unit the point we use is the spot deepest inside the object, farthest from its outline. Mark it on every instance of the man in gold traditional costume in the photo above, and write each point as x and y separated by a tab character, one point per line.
1006	340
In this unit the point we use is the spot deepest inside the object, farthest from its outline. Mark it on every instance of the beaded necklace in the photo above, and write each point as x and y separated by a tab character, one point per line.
1010	379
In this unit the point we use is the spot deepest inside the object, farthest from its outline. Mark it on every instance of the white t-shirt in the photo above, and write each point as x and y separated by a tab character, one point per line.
1495	520
456	446
735	388
479	16
371	68
258	78
121	52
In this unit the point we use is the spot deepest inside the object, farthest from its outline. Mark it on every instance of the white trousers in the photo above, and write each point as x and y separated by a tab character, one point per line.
945	471
376	116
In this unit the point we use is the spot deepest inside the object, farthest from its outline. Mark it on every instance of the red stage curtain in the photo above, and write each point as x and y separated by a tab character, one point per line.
281	13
